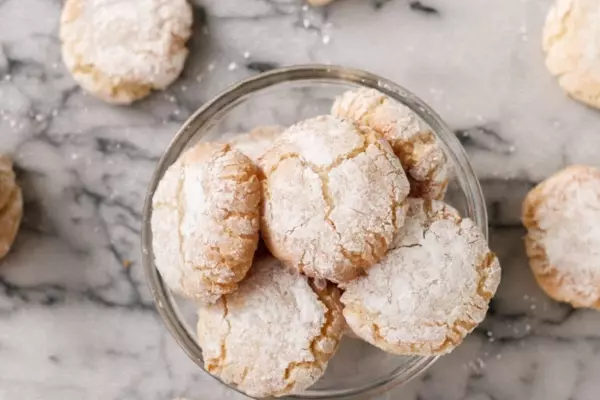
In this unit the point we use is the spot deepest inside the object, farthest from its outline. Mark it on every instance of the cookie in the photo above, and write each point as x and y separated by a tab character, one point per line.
414	143
205	221
562	217
255	143
11	206
333	198
571	40
431	290
121	50
274	335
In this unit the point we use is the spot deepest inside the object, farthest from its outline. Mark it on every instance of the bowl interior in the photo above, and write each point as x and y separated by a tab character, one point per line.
357	367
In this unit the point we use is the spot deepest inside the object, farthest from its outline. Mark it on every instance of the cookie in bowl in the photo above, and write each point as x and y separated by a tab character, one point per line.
431	290
256	142
205	221
413	141
333	198
275	335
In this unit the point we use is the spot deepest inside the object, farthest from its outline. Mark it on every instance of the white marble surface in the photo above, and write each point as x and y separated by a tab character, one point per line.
75	323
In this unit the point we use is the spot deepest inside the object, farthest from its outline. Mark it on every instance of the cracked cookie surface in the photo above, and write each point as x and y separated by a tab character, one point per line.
428	292
562	216
205	221
571	41
275	334
121	50
11	206
333	198
413	142
256	142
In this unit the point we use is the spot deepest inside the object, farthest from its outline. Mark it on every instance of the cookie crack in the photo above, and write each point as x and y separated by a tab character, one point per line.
365	117
320	170
320	358
214	365
395	205
551	40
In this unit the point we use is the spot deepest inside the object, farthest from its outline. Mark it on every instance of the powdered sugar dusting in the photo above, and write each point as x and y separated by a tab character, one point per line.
255	143
205	221
333	198
274	335
570	40
428	292
562	215
412	140
121	49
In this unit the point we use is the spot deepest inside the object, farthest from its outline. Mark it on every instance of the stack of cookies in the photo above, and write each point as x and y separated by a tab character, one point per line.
350	207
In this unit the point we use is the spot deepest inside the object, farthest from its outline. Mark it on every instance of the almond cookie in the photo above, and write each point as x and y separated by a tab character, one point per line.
562	216
120	50
11	206
413	142
431	290
255	143
571	40
333	198
274	335
205	221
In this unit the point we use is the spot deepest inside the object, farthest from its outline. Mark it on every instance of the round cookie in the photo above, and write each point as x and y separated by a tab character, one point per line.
255	143
413	142
120	50
11	206
333	198
205	221
571	41
562	216
431	290
274	335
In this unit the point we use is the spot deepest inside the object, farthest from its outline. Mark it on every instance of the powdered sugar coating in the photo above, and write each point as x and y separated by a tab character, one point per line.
333	198
119	50
412	140
431	290
571	41
562	216
255	143
11	206
205	221
274	335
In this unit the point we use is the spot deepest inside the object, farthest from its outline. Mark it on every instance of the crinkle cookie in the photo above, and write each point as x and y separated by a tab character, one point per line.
333	198
255	143
413	142
571	41
562	216
11	206
274	335
431	290
120	50
205	221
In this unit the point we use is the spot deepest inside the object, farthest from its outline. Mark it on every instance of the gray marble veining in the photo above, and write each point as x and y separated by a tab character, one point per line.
76	319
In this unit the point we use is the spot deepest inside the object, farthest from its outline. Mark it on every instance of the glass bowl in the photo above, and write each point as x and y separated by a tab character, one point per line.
284	97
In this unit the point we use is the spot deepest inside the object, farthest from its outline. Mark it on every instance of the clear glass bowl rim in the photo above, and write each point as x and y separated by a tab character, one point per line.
204	116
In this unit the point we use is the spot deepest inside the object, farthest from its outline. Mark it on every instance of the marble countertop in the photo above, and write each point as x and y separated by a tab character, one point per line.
76	319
